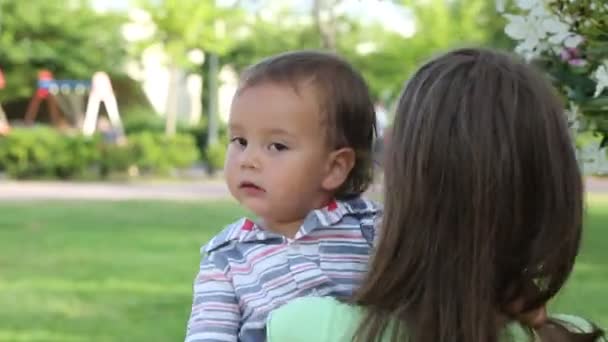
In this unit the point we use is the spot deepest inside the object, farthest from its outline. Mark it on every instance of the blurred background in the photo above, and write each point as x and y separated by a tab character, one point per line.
113	134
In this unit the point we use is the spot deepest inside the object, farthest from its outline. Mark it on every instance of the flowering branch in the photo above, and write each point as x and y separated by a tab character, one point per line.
569	40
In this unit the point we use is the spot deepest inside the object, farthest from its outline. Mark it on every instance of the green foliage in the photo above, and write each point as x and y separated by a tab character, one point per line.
138	120
143	120
78	157
183	25
264	37
44	153
573	61
588	19
215	156
440	25
115	160
70	39
41	153
159	154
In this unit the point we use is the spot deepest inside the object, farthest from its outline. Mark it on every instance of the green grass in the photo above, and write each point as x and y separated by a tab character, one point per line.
586	294
110	271
92	271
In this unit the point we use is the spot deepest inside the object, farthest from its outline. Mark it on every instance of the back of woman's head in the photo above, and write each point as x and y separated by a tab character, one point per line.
483	204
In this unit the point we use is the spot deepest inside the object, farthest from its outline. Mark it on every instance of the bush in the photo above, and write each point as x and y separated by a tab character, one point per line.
157	153
44	153
79	157
139	120
215	156
143	120
115	159
28	153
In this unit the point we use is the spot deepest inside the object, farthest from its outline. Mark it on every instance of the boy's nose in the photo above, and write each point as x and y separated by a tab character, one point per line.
250	159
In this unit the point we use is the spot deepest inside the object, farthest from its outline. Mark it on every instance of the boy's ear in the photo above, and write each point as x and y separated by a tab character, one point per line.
340	163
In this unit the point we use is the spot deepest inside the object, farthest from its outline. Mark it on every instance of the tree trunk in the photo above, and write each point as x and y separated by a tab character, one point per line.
212	87
171	111
325	27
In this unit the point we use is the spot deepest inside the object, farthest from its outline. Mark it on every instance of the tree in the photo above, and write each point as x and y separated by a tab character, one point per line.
70	39
324	14
183	26
268	32
391	56
438	25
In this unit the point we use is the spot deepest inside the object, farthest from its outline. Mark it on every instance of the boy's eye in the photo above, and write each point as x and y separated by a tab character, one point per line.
238	140
278	147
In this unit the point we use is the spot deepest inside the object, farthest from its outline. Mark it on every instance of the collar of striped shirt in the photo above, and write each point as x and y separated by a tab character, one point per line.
246	230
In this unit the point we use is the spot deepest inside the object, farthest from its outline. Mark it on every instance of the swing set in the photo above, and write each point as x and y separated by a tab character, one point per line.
65	101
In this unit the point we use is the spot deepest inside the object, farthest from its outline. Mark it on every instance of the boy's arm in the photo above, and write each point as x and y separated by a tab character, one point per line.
215	311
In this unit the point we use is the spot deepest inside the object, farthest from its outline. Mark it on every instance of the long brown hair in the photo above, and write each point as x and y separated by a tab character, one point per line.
483	202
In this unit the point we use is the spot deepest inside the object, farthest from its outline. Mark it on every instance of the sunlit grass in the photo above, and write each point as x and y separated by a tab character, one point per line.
123	271
91	271
586	293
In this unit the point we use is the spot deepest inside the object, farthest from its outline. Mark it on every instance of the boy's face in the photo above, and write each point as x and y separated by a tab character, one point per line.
278	153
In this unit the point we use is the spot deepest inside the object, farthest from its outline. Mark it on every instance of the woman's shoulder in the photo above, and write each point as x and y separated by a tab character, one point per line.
305	303
558	328
574	323
311	318
577	325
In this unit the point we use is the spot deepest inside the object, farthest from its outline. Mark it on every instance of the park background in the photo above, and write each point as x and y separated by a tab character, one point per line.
100	234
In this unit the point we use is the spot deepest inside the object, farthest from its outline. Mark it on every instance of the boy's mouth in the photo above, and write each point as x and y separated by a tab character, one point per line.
251	187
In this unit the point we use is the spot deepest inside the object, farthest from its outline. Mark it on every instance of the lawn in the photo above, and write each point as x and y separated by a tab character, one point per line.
122	271
101	271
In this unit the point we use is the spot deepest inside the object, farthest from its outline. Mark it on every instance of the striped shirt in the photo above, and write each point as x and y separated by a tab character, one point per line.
248	271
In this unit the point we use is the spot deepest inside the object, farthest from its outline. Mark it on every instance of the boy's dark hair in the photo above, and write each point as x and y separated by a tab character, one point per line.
343	97
483	202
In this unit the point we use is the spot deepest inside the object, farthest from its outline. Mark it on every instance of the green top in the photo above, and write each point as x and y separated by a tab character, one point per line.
324	319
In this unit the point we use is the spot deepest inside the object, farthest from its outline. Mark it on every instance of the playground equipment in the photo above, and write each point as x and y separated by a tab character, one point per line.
4	126
45	81
69	96
101	92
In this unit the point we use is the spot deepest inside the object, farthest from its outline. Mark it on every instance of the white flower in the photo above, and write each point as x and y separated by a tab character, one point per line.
601	78
516	27
573	41
560	33
538	29
526	4
529	30
560	30
540	10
